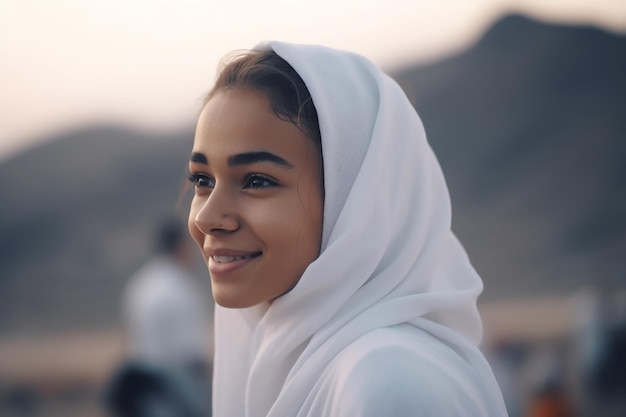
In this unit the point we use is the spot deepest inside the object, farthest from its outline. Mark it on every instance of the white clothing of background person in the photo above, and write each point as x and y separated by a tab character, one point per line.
166	316
384	322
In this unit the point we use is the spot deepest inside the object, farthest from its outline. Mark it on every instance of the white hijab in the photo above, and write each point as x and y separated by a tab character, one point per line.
388	255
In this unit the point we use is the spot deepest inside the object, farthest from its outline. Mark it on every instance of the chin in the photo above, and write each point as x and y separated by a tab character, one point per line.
237	301
233	300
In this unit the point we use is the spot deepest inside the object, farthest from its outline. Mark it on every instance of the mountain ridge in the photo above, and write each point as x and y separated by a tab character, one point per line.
527	124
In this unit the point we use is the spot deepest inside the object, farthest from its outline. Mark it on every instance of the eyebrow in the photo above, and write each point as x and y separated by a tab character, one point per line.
246	158
255	157
199	158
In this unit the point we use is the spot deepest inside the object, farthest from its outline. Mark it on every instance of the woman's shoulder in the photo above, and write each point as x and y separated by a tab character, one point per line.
403	346
400	371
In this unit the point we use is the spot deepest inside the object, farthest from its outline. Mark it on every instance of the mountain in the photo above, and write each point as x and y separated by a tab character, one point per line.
530	128
528	125
76	219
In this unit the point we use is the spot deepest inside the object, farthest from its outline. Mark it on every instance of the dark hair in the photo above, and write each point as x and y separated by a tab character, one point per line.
170	235
268	73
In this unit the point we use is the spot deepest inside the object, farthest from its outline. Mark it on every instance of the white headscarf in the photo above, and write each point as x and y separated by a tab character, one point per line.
388	255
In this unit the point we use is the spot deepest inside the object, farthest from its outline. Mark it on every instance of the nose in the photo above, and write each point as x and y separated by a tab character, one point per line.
216	213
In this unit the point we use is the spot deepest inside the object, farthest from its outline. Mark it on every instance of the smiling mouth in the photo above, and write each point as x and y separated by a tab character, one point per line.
226	259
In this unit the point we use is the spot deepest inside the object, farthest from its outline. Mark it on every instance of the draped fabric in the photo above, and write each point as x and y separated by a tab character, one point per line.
389	265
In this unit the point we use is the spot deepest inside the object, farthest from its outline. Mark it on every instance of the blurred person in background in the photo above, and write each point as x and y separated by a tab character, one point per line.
550	400
506	358
168	369
548	394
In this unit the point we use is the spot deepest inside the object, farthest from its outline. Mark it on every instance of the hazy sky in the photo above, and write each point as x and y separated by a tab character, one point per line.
148	63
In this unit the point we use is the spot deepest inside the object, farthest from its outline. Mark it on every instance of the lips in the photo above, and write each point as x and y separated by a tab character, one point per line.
222	262
221	259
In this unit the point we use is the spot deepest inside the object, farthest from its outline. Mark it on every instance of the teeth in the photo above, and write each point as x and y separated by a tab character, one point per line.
225	259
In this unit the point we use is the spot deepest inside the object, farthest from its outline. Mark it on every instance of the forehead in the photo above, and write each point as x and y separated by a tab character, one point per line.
242	119
240	106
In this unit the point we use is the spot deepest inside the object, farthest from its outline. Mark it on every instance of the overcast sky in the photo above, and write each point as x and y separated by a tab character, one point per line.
148	63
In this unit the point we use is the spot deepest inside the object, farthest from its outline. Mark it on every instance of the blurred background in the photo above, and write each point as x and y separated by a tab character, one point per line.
524	102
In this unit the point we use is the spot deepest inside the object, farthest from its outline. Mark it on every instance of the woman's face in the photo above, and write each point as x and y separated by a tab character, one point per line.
257	208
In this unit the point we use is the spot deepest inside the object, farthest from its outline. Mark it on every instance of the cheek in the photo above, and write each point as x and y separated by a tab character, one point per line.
269	222
311	203
278	223
294	225
312	232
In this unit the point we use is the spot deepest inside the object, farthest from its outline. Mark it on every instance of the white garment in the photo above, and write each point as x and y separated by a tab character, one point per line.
384	322
167	319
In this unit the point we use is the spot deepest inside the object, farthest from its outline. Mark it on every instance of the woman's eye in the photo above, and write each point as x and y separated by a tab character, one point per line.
259	181
202	180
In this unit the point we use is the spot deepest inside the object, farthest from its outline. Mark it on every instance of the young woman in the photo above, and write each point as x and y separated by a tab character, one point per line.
324	219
